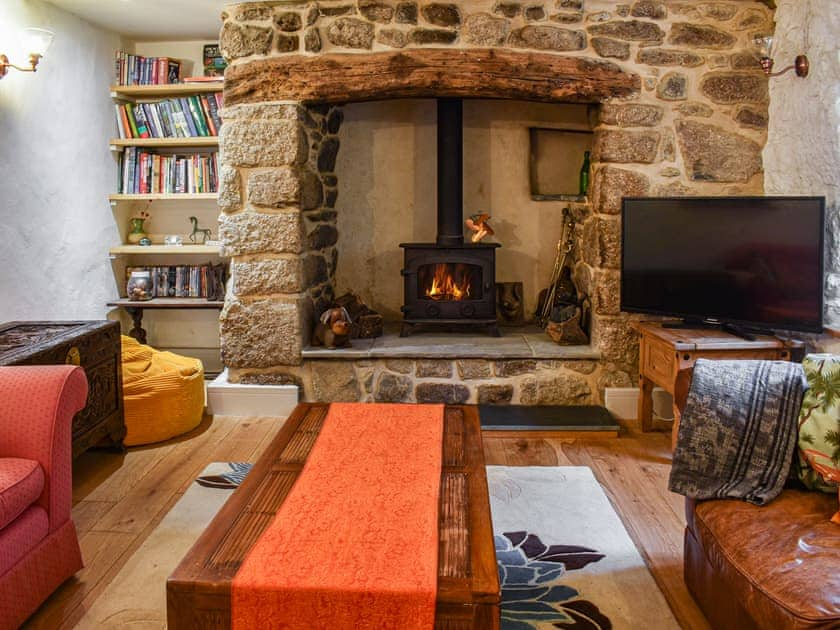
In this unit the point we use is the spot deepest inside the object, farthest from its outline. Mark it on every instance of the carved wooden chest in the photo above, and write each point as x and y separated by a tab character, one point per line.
93	345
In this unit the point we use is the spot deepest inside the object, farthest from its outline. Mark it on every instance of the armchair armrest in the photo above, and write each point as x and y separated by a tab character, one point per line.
37	405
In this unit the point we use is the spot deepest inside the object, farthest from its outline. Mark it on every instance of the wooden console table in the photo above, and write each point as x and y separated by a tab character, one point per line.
667	357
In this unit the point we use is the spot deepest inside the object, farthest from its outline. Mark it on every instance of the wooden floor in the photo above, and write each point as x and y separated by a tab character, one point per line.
120	498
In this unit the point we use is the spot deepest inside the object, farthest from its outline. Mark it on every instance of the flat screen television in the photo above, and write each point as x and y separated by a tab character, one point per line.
752	262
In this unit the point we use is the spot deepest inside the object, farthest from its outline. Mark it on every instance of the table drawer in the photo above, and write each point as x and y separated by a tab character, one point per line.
659	363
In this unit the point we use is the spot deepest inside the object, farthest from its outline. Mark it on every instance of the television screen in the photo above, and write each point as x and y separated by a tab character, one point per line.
753	261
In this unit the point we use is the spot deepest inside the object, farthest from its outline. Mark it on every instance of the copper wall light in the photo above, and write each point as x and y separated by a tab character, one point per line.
763	45
36	41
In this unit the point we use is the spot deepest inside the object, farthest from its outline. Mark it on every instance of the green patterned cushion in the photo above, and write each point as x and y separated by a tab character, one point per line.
819	424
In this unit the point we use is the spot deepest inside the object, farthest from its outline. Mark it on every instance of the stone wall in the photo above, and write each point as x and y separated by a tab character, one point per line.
802	156
694	125
278	226
482	381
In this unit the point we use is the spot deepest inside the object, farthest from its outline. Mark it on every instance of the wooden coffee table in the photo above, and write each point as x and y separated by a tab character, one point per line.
198	592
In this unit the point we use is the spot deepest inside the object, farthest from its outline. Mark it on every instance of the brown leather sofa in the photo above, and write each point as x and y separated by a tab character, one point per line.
771	567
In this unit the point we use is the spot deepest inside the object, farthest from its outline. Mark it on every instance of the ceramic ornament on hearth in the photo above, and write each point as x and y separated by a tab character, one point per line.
333	329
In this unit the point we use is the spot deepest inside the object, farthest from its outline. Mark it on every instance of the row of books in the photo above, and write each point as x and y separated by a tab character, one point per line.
139	70
144	172
178	280
187	117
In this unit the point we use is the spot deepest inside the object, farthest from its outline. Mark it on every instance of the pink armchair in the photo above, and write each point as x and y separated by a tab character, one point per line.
38	545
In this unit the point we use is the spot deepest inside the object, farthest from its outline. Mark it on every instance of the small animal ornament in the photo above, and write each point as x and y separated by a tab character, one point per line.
480	227
333	329
199	235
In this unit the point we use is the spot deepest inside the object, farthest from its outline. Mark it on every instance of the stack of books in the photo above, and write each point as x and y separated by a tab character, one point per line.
145	172
178	280
138	70
186	117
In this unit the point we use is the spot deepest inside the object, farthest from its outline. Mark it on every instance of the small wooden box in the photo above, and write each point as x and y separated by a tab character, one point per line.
93	345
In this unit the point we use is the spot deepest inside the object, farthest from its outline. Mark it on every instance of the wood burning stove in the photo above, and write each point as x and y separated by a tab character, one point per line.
449	282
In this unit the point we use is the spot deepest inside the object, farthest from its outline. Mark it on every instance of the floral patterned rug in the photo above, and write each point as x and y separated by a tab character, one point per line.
565	559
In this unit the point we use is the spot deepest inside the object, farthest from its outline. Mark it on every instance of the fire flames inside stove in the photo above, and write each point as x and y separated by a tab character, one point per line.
450	282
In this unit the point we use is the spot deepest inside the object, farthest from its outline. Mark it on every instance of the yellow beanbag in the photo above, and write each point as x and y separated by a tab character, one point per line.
163	393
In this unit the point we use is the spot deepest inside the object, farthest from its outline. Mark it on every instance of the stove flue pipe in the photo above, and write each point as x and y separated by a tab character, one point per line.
450	172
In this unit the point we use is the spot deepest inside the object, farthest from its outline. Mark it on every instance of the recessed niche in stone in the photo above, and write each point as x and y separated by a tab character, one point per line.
555	161
387	191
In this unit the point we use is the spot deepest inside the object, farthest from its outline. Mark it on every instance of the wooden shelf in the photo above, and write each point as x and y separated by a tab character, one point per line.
131	92
163	143
558	197
164	197
162	303
174	250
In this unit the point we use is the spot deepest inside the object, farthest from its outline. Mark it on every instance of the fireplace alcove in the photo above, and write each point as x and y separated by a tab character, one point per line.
291	123
387	169
517	363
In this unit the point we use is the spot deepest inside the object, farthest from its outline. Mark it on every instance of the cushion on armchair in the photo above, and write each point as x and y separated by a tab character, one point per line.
21	483
819	425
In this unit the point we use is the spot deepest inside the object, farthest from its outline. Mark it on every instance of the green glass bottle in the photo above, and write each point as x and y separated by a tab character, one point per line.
584	174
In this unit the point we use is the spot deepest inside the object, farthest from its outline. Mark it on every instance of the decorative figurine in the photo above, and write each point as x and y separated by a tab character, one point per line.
480	227
332	329
199	235
136	233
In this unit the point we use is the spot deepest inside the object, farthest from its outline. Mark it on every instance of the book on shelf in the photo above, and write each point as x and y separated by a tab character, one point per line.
191	116
190	281
138	70
214	62
144	172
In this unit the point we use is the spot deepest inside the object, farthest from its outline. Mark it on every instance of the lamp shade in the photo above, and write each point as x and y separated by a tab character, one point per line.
36	41
763	45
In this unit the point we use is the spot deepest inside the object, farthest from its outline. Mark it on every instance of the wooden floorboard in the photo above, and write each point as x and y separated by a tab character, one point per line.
119	499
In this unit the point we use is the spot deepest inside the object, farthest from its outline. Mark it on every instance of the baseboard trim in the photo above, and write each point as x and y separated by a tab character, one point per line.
234	399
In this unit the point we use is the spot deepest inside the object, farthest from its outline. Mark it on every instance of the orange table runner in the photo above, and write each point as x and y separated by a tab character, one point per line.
355	543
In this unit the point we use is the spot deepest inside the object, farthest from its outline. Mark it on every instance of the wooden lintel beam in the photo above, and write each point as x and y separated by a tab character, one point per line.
426	73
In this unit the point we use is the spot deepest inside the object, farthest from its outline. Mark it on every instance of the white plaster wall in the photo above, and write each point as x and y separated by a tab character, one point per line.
387	191
55	221
56	224
802	155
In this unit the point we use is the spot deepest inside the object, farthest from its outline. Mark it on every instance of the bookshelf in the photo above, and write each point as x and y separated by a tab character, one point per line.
162	303
117	144
135	92
172	325
117	197
169	250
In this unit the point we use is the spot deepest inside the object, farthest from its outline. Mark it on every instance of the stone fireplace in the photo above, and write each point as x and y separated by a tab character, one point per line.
681	109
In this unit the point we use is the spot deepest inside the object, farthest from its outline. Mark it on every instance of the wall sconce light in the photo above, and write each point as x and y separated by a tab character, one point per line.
763	45
36	41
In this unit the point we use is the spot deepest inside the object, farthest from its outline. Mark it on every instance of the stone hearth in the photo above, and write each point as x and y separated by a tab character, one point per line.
682	111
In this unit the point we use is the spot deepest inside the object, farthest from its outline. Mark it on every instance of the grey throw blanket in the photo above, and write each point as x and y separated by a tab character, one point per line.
738	431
